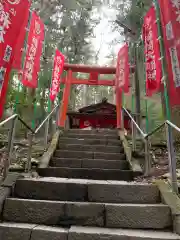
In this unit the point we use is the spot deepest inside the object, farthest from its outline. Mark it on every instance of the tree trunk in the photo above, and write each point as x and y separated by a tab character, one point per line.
85	95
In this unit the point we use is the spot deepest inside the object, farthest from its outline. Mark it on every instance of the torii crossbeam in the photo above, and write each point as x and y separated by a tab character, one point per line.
94	73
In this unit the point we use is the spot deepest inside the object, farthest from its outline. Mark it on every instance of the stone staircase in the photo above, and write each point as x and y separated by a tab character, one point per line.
86	193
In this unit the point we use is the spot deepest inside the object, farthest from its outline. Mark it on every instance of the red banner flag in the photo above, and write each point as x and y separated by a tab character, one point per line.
12	14
57	70
170	18
34	51
123	70
152	53
20	43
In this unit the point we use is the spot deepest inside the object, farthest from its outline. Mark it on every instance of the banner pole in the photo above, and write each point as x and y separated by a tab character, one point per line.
132	102
133	130
17	98
137	87
33	107
132	81
146	100
49	101
163	60
49	105
122	112
147	117
34	117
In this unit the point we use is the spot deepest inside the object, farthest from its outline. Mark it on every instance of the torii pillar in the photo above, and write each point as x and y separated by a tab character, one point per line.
65	100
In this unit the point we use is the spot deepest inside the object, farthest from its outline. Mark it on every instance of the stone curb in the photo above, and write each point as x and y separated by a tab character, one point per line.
45	159
134	164
172	200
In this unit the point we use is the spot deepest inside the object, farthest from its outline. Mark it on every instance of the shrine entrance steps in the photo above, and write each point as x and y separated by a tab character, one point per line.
86	193
89	155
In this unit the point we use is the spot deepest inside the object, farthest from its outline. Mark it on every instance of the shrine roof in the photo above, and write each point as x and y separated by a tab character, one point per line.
98	109
99	106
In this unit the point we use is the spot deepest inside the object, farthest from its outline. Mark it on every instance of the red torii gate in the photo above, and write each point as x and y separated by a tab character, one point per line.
94	72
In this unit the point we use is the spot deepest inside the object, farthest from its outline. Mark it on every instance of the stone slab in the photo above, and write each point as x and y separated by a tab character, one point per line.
109	156
85	214
11	179
66	162
85	173
67	140
92	136
49	233
62	189
104	164
123	193
54	213
93	148
4	193
89	163
93	131
14	231
108	149
141	216
114	142
51	189
73	154
95	141
33	211
93	233
86	136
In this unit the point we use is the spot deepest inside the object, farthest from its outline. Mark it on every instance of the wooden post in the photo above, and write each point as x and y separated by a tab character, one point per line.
118	107
65	100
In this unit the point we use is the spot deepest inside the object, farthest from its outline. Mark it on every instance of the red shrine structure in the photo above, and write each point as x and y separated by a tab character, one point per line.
113	118
100	115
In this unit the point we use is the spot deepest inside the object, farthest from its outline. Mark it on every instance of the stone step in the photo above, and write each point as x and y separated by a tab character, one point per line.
93	148
20	231
63	189
93	131
90	132
89	155
95	141
95	233
89	163
141	216
86	173
91	136
74	154
134	216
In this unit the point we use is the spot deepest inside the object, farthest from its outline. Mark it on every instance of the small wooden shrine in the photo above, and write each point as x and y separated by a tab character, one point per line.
100	115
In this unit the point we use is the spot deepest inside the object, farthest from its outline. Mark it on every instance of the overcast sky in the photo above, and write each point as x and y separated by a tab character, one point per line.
105	35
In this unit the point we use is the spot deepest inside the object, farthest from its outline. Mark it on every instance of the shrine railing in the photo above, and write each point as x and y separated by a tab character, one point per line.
146	139
32	132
